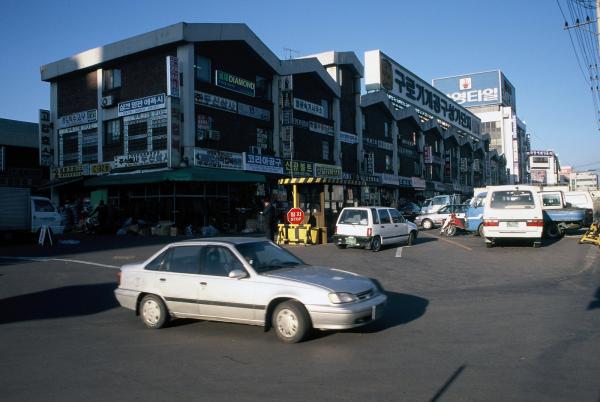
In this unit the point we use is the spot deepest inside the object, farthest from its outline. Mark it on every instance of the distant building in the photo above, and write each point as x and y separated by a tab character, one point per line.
492	98
19	145
565	174
545	167
583	181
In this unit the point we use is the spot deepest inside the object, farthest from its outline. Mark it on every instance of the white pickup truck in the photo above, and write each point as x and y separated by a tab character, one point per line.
20	212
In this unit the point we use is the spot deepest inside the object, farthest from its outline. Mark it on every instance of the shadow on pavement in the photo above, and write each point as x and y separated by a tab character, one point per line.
400	309
595	303
67	301
448	383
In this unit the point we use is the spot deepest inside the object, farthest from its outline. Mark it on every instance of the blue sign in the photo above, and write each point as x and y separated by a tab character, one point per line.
472	89
262	163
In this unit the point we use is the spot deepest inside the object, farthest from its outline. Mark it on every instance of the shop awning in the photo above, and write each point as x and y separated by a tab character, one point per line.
59	183
319	180
191	174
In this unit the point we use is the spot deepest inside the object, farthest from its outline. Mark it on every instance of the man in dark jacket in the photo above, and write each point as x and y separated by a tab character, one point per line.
269	214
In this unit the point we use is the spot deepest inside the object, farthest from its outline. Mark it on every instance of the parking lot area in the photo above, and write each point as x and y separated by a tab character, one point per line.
463	323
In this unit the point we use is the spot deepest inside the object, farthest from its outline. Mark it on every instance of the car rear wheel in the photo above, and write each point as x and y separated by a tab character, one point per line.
376	243
480	230
153	312
427	224
341	246
291	322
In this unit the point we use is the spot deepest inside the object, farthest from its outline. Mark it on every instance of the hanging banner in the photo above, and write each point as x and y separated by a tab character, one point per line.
173	82
141	159
217	159
262	163
45	138
141	105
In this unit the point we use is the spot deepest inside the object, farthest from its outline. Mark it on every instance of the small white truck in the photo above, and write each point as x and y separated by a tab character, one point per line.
20	213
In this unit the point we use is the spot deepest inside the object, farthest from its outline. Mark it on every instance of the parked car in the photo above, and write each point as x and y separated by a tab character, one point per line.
437	202
513	211
248	281
559	216
409	210
433	219
373	227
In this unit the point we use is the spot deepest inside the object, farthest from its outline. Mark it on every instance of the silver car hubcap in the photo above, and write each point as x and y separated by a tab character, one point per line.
151	312
287	323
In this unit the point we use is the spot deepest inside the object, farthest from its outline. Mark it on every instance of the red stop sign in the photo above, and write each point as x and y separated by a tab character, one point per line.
295	216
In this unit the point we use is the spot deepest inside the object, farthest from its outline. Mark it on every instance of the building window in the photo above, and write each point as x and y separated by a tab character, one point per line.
111	79
202	68
263	88
112	132
386	129
388	163
325	148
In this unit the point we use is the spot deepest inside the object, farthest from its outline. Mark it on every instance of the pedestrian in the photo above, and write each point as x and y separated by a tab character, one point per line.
269	218
102	212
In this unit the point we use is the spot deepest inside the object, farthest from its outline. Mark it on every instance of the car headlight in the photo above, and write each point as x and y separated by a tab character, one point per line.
342	297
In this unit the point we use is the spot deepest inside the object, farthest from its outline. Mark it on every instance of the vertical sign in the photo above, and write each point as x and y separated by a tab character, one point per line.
174	132
427	157
45	138
173	76
287	117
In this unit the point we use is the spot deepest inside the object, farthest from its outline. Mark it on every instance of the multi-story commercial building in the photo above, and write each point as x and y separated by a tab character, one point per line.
19	154
194	123
545	167
587	181
492	98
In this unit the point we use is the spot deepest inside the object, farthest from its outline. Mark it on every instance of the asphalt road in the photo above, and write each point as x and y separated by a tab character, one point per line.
464	323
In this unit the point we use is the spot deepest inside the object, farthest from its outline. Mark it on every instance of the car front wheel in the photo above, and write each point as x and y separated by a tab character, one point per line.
427	224
153	312
412	238
291	322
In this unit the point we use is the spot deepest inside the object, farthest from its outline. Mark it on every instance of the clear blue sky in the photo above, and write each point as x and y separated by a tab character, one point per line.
434	38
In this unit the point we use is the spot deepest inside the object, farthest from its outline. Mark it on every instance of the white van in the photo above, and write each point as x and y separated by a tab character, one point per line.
513	211
373	227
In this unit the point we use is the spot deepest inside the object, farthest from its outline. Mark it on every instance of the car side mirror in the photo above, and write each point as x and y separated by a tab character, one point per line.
237	274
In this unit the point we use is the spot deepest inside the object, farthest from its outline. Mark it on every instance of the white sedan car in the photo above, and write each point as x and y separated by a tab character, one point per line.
249	281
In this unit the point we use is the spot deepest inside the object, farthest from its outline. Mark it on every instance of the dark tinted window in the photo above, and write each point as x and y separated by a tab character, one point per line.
218	261
396	216
384	217
156	264
375	216
183	259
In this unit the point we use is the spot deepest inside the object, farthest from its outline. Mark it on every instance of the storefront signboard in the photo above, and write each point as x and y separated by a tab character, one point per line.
141	105
309	107
383	73
45	138
368	179
254	112
173	76
263	163
66	172
78	119
214	101
97	169
217	159
389	179
418	183
141	159
404	181
234	83
299	168
313	126
348	138
328	171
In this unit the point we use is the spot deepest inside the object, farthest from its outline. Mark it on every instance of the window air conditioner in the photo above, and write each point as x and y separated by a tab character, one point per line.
107	101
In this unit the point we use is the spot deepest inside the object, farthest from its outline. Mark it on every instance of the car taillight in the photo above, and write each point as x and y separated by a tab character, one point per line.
369	231
535	222
491	222
119	278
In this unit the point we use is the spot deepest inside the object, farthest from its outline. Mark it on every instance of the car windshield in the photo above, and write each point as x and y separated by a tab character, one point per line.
264	256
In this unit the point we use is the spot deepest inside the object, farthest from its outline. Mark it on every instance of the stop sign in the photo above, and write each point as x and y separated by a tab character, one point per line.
295	216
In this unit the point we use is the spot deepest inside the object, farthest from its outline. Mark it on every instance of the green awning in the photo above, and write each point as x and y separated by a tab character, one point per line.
191	174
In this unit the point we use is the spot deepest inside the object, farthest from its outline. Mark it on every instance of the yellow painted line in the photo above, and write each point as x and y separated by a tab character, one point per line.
448	241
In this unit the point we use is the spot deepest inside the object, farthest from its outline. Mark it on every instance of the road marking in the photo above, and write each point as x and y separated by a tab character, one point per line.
449	241
399	252
46	259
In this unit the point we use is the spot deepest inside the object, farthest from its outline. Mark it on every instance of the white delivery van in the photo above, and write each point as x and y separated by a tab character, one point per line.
372	227
513	212
20	212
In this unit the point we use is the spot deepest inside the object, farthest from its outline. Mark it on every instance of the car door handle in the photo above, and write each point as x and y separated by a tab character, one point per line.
382	226
203	283
163	280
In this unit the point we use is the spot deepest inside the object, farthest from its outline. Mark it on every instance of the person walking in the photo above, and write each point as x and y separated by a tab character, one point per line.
269	218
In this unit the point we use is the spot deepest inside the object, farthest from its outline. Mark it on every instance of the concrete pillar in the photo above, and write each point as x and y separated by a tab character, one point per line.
54	119
275	95
100	115
185	54
358	123
395	156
